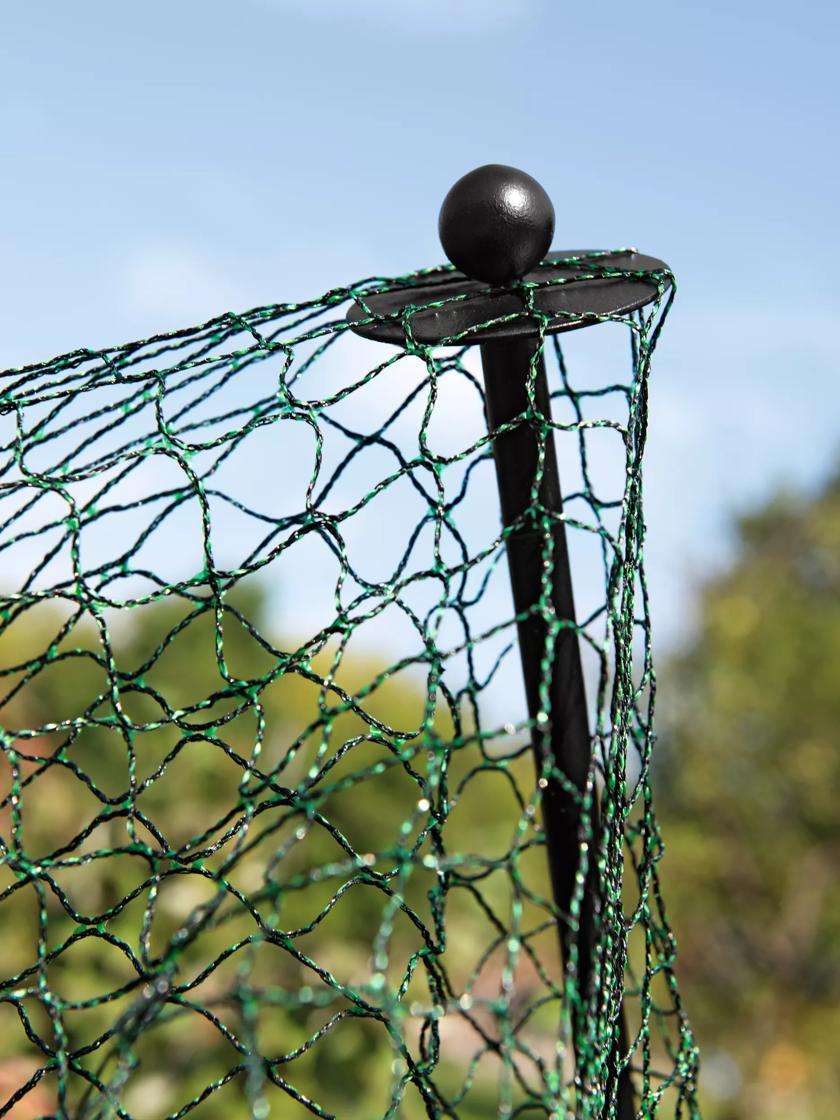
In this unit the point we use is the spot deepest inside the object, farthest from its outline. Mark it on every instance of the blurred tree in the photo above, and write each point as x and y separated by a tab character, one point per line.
747	788
186	769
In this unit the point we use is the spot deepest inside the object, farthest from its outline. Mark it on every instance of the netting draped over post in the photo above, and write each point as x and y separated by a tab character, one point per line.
271	826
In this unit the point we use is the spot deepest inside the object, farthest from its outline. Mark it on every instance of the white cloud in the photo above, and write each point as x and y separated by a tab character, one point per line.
169	285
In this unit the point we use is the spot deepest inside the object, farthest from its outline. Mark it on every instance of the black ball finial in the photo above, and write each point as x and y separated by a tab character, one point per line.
496	223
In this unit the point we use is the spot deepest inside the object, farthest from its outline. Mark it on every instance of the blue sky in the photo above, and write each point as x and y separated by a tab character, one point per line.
165	161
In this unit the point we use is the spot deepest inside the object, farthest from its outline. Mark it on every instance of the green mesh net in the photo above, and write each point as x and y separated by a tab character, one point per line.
271	824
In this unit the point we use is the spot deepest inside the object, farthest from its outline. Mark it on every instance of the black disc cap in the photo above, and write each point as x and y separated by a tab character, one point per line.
496	223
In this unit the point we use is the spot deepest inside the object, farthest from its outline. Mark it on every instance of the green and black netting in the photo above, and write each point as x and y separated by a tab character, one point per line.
271	821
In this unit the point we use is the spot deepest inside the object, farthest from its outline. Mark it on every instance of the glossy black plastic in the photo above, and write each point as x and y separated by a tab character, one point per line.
576	290
507	366
496	223
497	237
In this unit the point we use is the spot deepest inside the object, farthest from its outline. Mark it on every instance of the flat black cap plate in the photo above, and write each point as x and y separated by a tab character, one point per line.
576	288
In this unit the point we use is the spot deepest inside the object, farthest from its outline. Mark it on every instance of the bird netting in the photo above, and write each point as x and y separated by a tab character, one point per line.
271	833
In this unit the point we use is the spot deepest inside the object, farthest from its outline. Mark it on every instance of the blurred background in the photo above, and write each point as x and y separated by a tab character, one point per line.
163	163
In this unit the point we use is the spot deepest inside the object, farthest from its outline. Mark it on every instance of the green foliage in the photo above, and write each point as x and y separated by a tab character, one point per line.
750	769
289	862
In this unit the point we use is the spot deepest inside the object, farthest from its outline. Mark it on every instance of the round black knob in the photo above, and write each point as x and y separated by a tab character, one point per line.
496	223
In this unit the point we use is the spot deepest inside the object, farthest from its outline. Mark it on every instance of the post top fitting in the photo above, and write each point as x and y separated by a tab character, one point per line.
496	224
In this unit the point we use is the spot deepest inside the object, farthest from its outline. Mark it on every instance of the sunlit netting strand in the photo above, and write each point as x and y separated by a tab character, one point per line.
286	858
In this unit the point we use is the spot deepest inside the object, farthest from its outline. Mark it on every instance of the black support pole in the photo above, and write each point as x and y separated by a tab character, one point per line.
496	226
507	367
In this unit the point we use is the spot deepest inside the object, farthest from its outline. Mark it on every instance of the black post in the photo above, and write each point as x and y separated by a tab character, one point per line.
496	224
507	367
